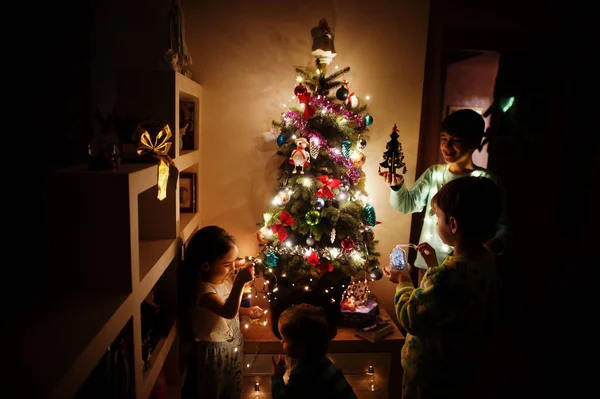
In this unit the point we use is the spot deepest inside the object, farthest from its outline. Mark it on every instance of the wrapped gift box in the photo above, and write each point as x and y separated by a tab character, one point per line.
361	316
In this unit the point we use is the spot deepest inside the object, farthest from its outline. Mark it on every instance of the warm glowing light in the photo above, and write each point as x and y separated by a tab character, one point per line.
306	288
298	79
334	252
288	243
368	97
235	349
306	182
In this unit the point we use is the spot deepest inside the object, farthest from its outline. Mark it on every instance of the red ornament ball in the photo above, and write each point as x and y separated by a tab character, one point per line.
300	90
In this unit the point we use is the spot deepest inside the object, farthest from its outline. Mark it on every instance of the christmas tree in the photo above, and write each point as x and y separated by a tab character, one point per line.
393	157
319	226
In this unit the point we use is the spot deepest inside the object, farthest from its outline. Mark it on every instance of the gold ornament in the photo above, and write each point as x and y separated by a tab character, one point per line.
358	159
260	237
160	150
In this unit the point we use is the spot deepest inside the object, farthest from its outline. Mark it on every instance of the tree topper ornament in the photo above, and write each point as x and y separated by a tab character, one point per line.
300	157
323	48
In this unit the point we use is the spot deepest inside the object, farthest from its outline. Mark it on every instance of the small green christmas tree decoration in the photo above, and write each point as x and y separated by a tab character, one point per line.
318	230
393	156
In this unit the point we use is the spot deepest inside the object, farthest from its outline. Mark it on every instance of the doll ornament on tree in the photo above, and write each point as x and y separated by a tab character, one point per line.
300	157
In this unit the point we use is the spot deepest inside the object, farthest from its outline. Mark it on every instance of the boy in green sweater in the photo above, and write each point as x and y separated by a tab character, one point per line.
446	319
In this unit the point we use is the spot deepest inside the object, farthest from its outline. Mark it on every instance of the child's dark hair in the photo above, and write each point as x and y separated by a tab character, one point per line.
206	246
474	202
306	325
466	124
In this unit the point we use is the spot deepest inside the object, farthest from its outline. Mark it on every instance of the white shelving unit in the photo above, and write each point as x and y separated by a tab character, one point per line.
112	241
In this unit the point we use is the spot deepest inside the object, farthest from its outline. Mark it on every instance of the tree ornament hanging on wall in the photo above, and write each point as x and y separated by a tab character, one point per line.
393	156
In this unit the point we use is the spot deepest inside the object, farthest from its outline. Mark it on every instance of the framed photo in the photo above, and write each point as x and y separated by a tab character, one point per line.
187	122
187	192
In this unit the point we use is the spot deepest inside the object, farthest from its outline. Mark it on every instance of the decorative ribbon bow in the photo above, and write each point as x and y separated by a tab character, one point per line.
328	182
160	149
312	258
279	228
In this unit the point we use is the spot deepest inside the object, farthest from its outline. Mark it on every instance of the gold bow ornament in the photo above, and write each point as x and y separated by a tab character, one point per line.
160	150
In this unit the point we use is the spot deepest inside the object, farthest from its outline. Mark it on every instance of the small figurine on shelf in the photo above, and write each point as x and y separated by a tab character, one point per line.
105	149
393	156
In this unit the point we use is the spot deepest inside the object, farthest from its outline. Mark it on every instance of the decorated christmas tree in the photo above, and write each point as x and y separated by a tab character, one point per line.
317	233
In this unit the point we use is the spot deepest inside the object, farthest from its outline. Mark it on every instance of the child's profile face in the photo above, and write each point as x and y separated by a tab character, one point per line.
455	149
444	228
289	348
222	267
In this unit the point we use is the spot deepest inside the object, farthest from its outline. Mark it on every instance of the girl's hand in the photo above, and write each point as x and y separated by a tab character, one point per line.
428	253
245	274
239	262
279	365
398	276
254	312
392	179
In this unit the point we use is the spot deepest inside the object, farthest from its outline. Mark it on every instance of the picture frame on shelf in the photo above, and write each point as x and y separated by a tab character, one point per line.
187	124
187	193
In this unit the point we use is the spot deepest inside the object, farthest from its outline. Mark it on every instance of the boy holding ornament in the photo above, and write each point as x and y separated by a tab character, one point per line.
462	133
448	319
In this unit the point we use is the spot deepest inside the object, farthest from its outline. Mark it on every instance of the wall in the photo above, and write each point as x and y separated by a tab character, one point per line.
244	54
